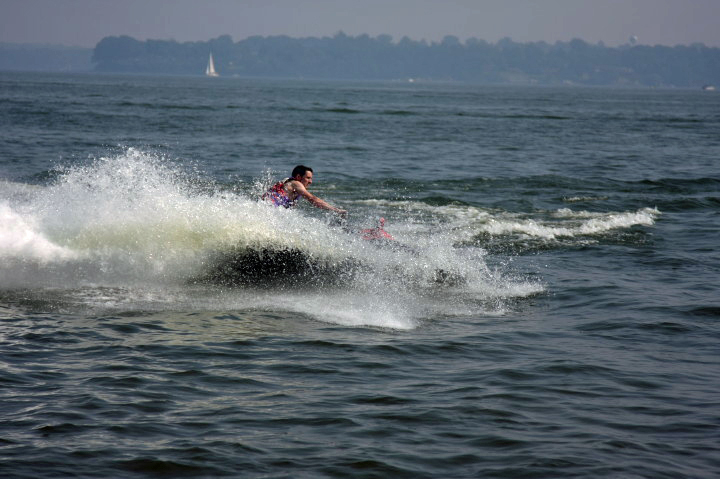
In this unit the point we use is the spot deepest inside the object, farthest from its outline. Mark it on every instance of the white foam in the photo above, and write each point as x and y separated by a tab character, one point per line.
584	199
21	239
351	308
590	224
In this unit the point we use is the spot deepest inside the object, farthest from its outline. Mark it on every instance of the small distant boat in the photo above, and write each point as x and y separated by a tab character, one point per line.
210	70
709	87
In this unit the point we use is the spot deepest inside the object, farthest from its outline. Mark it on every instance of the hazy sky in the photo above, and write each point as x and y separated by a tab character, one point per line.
85	22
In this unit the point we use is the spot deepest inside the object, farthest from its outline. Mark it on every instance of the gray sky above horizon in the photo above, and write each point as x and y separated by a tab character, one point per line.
85	22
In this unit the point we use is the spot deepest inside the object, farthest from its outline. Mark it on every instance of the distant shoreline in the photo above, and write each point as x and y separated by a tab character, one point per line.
364	58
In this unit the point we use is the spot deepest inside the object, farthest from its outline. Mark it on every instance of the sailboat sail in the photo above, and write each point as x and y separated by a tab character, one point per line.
210	70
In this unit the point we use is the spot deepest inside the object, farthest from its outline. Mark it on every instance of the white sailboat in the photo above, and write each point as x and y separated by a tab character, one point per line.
210	70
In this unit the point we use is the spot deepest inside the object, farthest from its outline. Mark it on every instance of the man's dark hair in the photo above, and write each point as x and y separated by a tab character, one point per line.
300	170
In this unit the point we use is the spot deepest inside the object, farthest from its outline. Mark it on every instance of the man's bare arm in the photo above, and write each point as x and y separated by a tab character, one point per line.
314	200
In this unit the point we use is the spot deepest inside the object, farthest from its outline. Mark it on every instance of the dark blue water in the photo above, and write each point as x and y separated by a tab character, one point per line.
548	308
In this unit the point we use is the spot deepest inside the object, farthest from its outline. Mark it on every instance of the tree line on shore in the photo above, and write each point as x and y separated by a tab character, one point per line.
380	58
